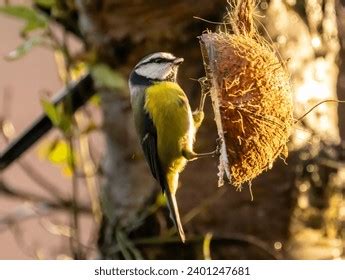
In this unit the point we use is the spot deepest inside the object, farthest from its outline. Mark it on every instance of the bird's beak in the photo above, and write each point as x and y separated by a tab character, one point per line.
178	61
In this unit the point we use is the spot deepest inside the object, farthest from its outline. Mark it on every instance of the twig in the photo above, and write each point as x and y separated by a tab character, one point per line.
61	205
122	247
90	172
37	177
74	223
127	246
231	238
22	213
198	209
202	206
318	104
74	240
60	230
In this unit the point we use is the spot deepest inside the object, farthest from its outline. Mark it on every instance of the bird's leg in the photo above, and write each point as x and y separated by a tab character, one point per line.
209	154
198	117
191	155
198	114
204	94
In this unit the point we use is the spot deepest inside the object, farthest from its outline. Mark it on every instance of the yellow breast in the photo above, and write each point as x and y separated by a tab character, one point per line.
169	109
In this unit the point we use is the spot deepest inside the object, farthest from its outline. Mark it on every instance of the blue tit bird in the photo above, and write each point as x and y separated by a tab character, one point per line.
165	123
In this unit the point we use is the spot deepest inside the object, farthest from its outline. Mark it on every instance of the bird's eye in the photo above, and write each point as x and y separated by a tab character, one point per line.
158	60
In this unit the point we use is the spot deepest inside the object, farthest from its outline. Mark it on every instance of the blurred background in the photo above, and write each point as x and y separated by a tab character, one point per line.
83	191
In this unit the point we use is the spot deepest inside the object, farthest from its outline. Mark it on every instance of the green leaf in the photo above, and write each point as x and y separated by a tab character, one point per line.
33	19
52	112
65	121
104	76
24	48
58	115
45	3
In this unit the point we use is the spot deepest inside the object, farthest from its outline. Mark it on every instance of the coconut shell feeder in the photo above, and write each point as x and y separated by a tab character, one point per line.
251	97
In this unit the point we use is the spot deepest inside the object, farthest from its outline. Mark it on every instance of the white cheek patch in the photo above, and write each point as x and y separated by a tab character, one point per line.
154	71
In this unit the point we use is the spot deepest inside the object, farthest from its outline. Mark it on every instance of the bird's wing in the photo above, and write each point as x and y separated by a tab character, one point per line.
149	145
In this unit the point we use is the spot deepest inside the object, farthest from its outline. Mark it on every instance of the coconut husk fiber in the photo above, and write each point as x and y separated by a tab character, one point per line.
251	96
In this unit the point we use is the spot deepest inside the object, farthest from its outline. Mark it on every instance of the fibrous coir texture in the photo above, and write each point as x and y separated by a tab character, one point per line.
251	96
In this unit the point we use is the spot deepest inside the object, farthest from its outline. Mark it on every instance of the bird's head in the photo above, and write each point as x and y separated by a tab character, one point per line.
160	66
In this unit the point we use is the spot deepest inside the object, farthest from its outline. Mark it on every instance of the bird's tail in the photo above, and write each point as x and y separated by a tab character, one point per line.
169	186
174	213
